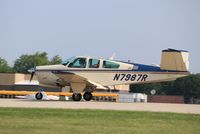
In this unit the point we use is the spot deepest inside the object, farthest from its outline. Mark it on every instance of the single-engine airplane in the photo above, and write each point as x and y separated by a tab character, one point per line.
85	74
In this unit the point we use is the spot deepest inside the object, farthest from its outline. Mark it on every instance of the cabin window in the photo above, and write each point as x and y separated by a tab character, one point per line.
78	63
94	63
109	64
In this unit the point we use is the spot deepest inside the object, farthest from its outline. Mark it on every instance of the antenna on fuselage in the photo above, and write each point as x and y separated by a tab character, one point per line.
112	56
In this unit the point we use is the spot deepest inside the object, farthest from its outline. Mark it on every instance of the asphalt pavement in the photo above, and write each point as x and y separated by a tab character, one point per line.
153	107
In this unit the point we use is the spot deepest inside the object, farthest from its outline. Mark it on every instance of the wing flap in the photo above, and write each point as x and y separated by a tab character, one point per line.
97	85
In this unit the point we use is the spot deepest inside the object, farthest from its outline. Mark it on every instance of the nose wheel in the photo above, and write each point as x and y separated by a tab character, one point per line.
39	96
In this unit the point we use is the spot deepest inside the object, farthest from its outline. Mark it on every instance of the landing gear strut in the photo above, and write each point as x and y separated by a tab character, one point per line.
76	96
87	96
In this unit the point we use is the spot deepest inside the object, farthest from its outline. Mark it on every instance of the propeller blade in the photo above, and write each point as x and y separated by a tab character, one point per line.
32	71
32	74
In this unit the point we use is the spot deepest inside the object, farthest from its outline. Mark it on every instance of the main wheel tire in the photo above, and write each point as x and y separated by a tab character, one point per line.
87	96
39	96
76	97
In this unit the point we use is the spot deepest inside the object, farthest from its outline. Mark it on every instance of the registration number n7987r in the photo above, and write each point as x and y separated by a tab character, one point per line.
130	77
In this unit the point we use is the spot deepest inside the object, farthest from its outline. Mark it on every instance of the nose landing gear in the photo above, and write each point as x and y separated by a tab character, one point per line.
39	96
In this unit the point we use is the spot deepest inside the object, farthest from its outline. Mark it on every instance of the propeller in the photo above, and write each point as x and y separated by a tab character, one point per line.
32	71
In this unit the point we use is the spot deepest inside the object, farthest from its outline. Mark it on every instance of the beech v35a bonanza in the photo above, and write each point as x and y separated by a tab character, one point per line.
85	74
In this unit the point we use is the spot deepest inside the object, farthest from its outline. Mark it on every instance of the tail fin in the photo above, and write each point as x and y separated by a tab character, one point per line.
175	60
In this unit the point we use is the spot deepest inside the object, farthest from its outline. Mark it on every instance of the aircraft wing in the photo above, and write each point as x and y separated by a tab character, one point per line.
97	85
70	77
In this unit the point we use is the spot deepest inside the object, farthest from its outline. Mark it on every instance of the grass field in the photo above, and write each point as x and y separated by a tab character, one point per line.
52	121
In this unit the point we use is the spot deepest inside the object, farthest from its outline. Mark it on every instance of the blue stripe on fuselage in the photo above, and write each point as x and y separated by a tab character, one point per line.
148	68
141	67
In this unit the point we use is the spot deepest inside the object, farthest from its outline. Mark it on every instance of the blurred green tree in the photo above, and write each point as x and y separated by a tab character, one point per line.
4	67
25	61
189	87
55	60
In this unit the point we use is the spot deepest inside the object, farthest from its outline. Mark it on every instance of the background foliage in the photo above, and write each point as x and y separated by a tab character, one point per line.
26	62
189	87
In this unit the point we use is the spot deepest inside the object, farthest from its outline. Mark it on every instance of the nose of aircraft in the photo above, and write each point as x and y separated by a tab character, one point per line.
50	67
45	67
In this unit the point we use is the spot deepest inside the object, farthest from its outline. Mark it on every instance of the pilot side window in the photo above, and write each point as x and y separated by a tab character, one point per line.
109	64
94	63
78	63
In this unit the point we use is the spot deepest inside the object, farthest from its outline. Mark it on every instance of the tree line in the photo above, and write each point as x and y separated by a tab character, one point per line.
189	86
28	61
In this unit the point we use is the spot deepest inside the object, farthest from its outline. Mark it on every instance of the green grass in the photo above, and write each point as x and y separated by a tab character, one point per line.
51	121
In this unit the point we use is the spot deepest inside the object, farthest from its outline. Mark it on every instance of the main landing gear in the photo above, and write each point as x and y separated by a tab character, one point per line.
77	96
87	96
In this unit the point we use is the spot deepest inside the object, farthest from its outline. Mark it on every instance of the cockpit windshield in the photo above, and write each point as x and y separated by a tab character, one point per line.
68	60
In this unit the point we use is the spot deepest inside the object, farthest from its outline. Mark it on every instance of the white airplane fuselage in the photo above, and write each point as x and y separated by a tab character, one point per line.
55	75
108	78
85	74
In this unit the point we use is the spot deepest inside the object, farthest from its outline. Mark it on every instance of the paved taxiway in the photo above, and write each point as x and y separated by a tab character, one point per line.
155	107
